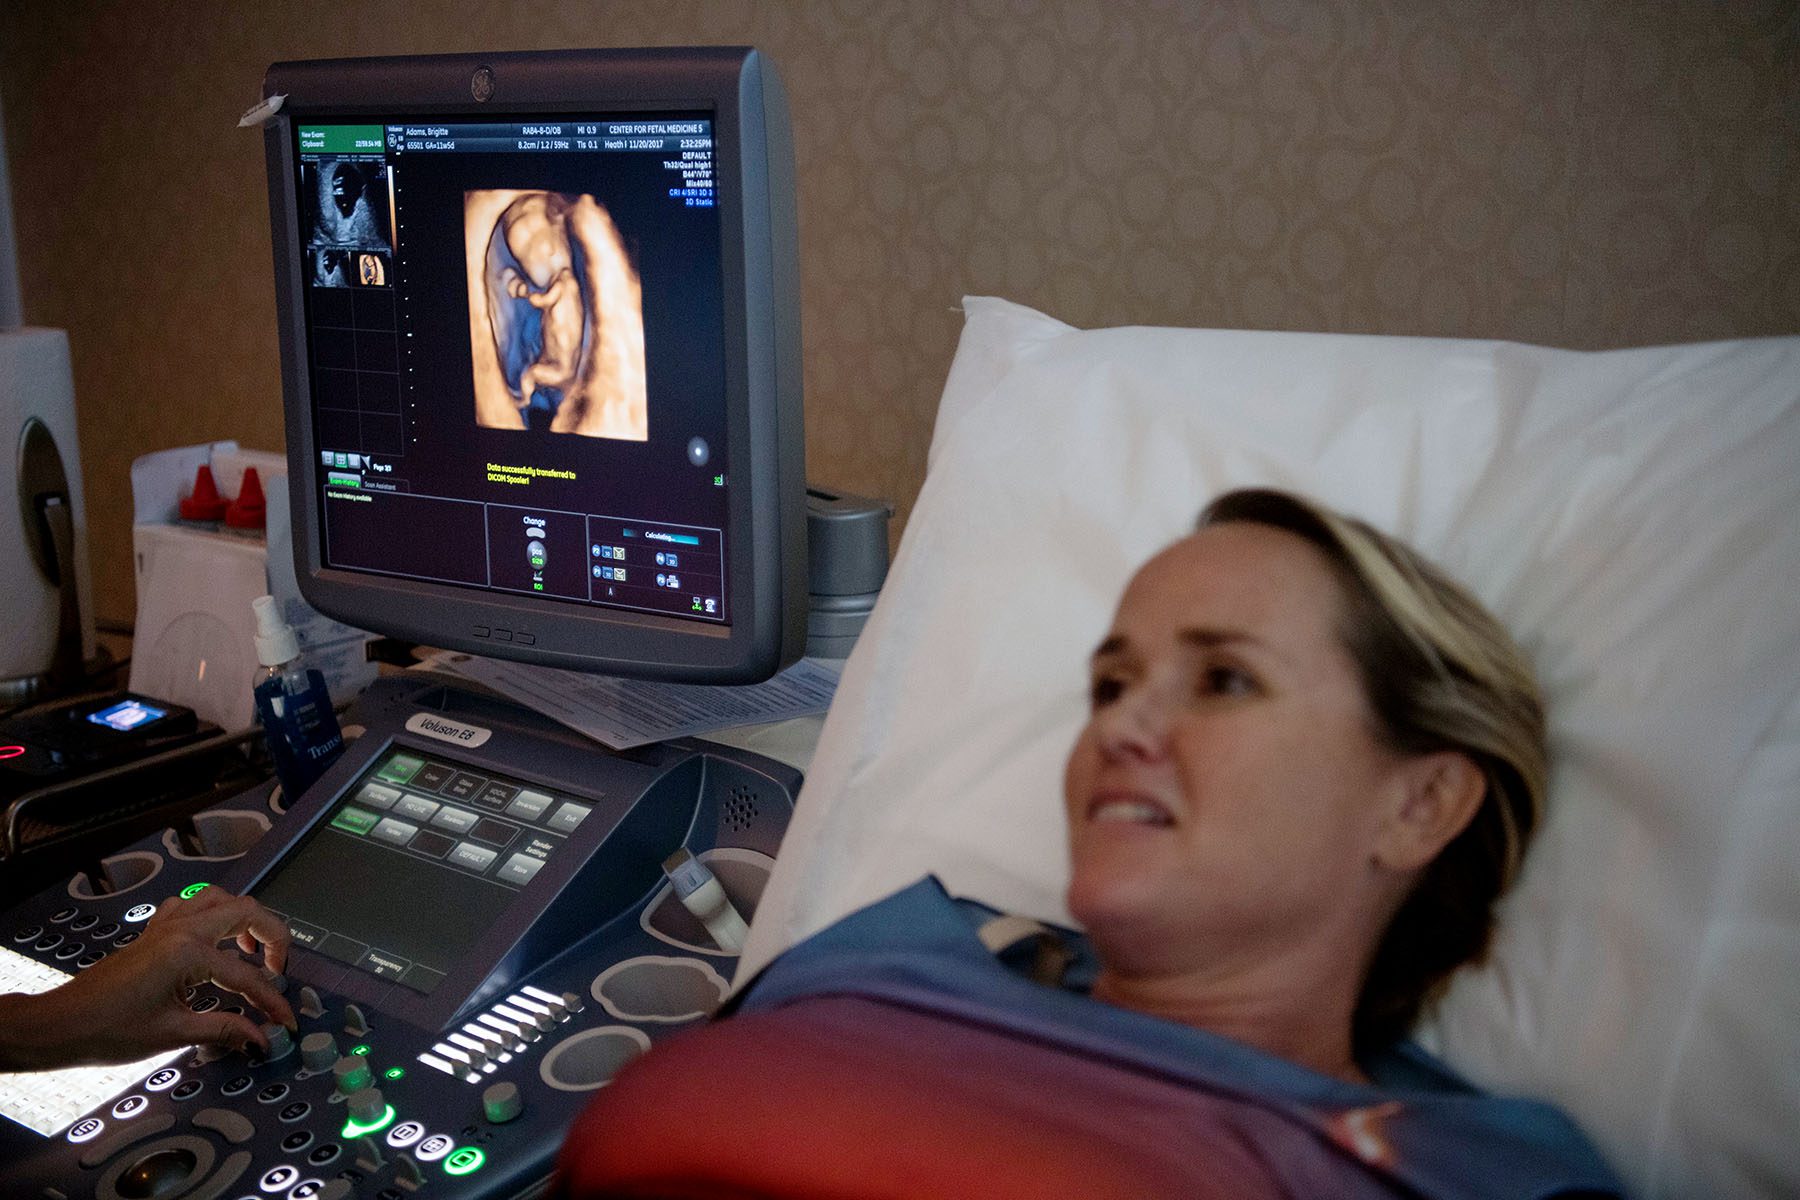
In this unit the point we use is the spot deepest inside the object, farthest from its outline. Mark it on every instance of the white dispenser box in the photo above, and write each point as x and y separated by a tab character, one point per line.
194	640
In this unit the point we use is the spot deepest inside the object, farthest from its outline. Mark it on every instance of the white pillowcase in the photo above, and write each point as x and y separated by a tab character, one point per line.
1630	515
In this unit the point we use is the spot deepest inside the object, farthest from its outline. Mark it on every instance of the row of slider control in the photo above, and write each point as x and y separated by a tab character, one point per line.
532	1025
463	1065
558	1006
514	1035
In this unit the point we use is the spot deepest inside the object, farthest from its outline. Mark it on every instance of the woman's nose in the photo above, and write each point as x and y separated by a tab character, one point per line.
1134	726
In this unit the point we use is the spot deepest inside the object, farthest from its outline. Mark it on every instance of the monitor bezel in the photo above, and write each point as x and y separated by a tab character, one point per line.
765	532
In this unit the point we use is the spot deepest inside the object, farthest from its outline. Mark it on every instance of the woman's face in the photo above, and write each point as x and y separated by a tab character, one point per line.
1227	794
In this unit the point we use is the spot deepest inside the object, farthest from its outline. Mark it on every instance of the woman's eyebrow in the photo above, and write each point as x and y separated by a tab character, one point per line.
1112	647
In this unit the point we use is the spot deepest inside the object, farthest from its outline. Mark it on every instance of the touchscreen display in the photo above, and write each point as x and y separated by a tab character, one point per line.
415	863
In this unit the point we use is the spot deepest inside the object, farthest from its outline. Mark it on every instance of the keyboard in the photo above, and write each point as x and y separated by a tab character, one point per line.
49	1101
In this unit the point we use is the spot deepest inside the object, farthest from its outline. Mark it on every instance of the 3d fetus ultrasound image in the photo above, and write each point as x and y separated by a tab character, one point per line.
556	316
347	205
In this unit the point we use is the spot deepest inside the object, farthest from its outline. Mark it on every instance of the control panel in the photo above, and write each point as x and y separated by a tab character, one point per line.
482	937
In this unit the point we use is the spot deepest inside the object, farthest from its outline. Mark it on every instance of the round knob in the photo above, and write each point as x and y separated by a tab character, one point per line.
319	1051
281	1044
352	1072
502	1103
367	1105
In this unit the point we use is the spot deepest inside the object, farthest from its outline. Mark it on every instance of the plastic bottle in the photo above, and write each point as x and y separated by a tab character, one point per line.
293	704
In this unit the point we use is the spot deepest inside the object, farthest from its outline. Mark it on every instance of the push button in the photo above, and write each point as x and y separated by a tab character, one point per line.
279	1179
84	922
520	869
163	1080
236	1087
130	1106
323	1154
568	817
187	1091
204	1004
64	915
106	930
295	1112
70	950
433	1148
296	1141
49	941
272	1093
405	1134
27	933
86	1131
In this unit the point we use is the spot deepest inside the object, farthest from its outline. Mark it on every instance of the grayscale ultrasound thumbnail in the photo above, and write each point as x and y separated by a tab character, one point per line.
349	236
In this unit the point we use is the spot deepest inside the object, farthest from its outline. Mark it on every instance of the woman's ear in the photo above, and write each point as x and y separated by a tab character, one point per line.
1439	795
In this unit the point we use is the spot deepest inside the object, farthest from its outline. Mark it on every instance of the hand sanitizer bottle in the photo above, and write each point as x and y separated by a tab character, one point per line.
293	704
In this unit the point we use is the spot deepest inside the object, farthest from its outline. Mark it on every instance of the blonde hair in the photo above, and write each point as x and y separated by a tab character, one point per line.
1440	673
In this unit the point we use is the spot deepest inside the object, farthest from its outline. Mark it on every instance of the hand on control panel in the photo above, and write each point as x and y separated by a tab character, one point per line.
131	1005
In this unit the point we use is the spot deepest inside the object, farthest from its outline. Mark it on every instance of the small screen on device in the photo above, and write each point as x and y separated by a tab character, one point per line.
415	863
127	715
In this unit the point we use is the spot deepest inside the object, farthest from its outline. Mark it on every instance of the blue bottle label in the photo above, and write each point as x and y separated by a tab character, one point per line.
301	730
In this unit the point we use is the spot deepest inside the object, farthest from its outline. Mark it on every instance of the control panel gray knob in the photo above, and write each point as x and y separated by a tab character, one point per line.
310	1004
352	1072
572	1002
355	1024
501	1102
407	1173
319	1051
366	1105
281	1043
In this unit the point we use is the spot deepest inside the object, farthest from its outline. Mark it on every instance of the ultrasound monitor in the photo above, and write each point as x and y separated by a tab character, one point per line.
540	351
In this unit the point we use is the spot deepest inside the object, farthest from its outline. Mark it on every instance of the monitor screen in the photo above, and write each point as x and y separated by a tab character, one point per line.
541	355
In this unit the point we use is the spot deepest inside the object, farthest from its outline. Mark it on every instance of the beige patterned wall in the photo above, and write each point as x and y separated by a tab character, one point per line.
1584	173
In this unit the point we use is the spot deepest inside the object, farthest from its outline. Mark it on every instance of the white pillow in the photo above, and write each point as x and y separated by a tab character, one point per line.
1630	515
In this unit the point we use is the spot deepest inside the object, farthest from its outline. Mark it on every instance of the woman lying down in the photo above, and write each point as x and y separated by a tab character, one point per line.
1311	765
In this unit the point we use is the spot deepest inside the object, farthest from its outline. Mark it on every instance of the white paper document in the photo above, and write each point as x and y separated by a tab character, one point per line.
622	713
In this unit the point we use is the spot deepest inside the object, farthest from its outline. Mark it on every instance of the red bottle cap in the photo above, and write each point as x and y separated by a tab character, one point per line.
205	504
249	510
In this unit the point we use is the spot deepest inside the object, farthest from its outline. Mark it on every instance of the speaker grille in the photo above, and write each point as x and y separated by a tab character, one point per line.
741	809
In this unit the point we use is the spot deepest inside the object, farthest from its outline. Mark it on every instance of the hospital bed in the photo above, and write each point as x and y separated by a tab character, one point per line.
1630	515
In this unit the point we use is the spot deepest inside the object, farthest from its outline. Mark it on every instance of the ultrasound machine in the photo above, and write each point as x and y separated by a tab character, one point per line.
540	347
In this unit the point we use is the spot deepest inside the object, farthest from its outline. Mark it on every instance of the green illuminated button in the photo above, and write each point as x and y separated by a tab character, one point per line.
354	820
193	889
395	1072
361	1049
400	768
463	1161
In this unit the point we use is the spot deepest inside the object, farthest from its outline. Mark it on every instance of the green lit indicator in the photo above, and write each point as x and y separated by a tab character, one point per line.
537	587
356	1129
464	1161
395	1072
718	481
193	889
362	1049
